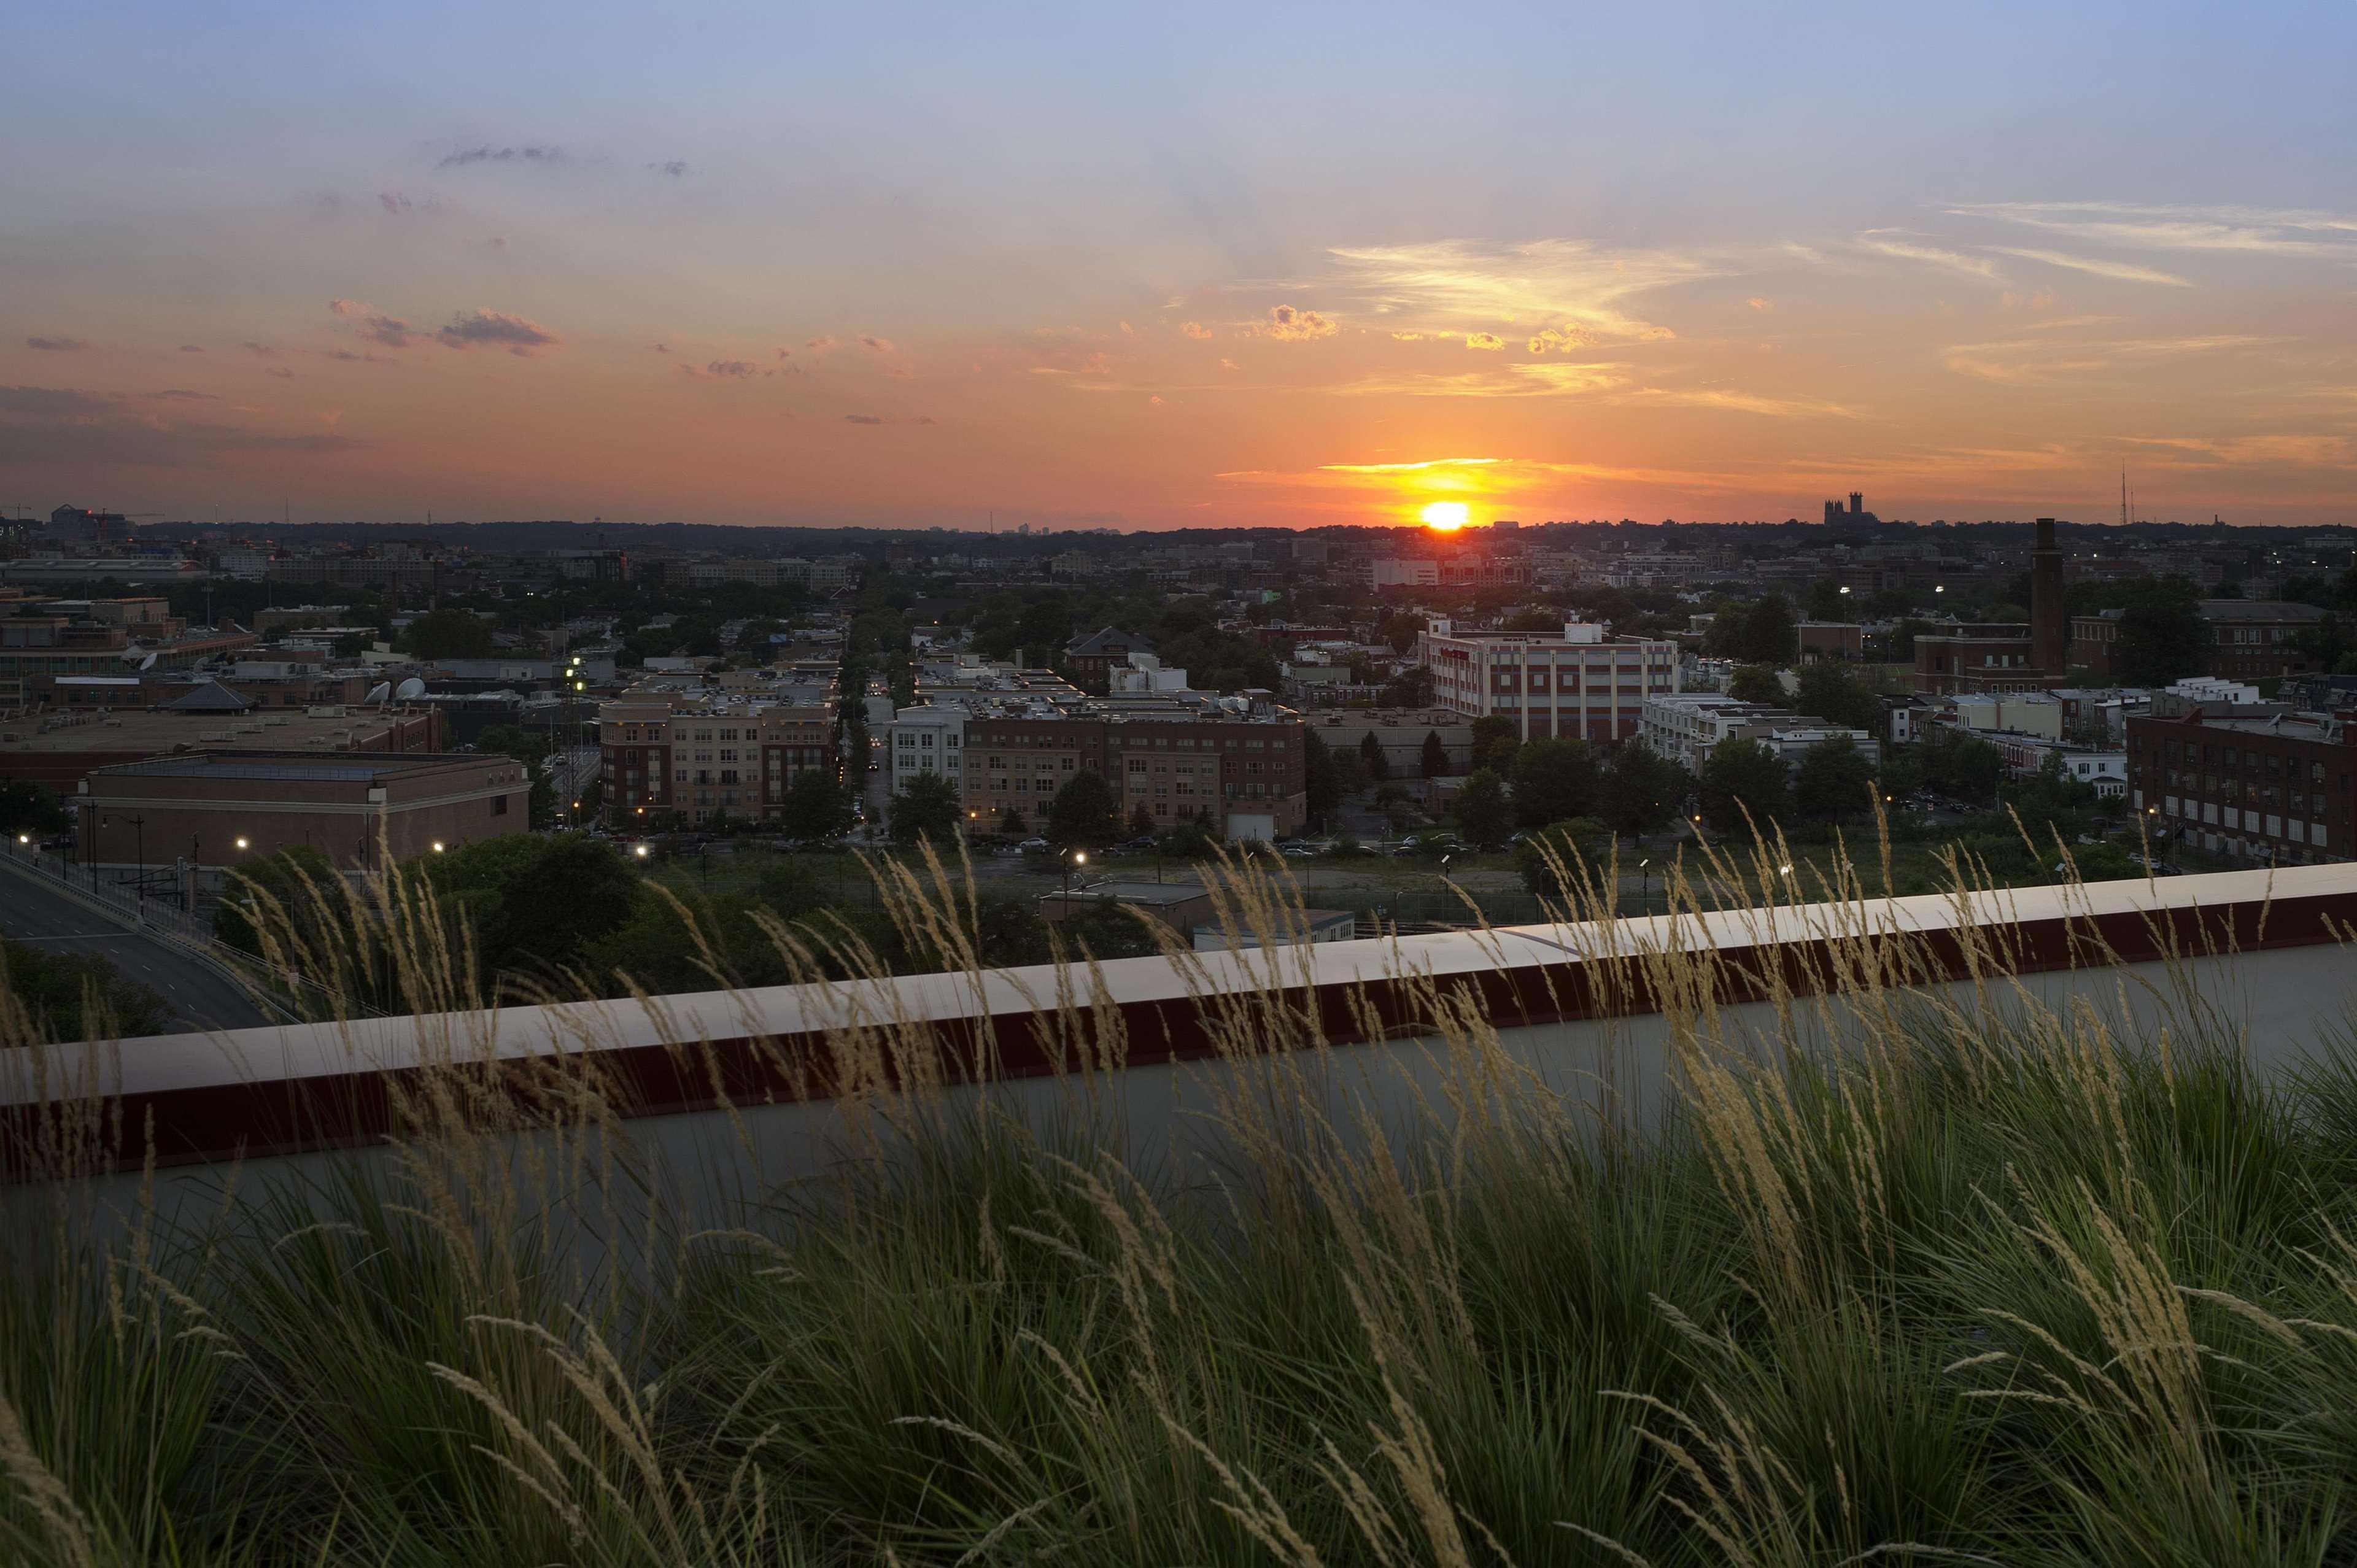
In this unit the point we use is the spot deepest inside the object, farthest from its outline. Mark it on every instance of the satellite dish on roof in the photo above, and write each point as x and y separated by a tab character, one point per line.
379	692
149	662
409	690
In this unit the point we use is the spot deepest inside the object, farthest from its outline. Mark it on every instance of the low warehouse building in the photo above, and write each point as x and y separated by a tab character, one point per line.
218	809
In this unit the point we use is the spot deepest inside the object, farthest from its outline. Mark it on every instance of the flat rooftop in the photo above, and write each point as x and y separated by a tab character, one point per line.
333	767
258	729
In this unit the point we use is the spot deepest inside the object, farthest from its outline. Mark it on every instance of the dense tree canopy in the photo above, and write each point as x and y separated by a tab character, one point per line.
26	806
79	996
2163	638
1740	777
1483	813
449	634
1756	684
1554	781
1085	813
816	807
1642	790
927	808
1835	780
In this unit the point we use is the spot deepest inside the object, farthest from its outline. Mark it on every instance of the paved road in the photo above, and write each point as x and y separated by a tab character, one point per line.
199	997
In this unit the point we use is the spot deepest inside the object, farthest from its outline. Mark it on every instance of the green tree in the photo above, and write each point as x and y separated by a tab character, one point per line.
1835	780
1410	688
1435	759
32	808
273	893
1085	813
1400	630
1321	781
450	634
1010	821
2163	636
526	746
1902	771
1641	789
1483	813
569	891
1756	684
1770	632
928	808
1578	850
1743	776
1378	766
70	996
1554	781
1827	600
1831	692
815	808
1141	821
1962	766
1494	740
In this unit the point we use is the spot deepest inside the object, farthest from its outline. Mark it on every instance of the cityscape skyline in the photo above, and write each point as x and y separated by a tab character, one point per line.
1086	270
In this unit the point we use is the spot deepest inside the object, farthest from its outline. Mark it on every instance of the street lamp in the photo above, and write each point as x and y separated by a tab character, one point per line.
242	841
1645	878
639	850
437	846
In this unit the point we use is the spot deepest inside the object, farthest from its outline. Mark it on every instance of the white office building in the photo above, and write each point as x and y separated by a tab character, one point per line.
1575	686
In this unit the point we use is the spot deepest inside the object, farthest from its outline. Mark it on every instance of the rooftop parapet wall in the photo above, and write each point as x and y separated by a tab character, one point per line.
295	1089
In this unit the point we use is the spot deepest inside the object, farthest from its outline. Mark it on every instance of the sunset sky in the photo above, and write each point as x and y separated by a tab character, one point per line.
1187	266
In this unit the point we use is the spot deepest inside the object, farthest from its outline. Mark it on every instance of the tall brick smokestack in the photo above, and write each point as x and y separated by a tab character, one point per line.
2049	621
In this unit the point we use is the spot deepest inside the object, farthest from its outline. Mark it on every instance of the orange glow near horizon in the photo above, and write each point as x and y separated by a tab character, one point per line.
1447	517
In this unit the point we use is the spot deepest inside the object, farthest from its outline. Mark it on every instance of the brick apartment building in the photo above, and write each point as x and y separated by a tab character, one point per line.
1575	685
695	755
1091	661
2280	788
2255	639
1247	770
222	809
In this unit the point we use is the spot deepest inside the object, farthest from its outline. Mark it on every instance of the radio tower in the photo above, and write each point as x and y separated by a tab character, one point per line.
2124	496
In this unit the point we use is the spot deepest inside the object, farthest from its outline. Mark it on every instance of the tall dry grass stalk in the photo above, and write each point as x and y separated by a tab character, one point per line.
1760	1263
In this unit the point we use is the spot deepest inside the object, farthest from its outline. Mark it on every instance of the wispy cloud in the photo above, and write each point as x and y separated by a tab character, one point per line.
2289	231
879	419
1540	378
489	329
1426	465
1743	403
2277	450
1906	247
1457	285
64	426
1488	341
2126	272
57	345
723	370
2047	357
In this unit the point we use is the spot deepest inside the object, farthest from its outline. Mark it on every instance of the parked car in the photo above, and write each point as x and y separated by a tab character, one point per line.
1035	846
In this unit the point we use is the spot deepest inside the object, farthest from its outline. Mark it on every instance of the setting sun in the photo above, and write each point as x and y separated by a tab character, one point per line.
1446	516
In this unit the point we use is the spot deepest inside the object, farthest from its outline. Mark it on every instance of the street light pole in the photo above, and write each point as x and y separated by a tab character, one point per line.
139	848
